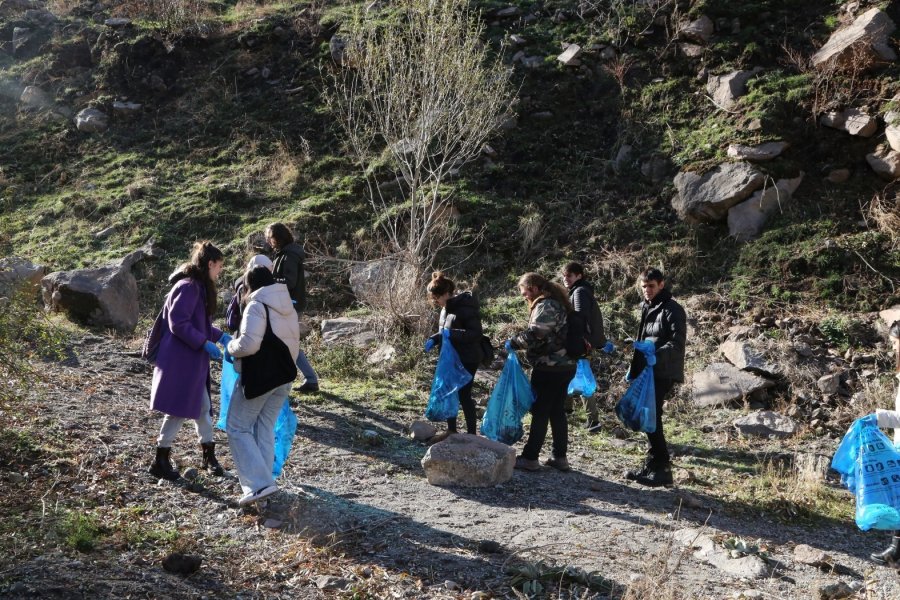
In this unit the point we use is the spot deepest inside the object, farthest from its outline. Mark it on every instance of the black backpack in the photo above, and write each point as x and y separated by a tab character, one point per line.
270	367
576	333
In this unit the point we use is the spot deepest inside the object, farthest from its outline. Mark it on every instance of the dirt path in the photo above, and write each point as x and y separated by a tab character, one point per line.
365	514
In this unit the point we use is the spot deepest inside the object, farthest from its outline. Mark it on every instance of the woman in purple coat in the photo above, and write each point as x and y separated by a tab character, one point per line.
181	381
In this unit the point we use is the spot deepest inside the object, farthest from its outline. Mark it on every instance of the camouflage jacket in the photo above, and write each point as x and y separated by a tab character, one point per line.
544	339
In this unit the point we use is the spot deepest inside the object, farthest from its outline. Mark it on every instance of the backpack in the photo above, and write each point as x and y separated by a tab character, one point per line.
150	349
576	336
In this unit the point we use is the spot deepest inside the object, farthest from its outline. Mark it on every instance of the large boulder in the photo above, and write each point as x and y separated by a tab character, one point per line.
348	330
744	357
707	198
16	273
765	423
698	31
105	296
469	461
726	89
885	162
721	384
853	121
866	38
747	219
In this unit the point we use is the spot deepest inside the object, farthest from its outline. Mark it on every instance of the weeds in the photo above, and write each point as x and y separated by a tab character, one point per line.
80	531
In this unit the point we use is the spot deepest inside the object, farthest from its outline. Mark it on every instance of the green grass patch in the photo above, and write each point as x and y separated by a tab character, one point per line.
80	531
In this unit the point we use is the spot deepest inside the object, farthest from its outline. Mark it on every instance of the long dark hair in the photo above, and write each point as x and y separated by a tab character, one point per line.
281	233
198	268
547	288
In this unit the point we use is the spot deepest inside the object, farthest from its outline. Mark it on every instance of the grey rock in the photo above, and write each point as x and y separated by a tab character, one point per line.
726	89
814	557
829	384
623	156
743	356
570	55
272	523
469	461
117	22
885	162
489	547
517	39
20	38
838	175
852	120
384	354
803	349
759	153
889	315
422	430
765	423
832	591
721	384
749	567
698	31
707	198
608	53
372	438
348	330
867	34
91	120
375	278
16	272
336	46
655	169
330	582
509	11
747	219
190	474
105	232
35	98
691	50
126	109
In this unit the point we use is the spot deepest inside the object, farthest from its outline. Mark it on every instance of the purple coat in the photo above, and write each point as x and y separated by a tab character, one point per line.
181	374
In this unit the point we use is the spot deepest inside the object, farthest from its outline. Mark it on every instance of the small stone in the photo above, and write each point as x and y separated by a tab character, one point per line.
509	11
838	176
451	585
489	547
808	555
330	582
105	233
570	56
422	430
832	591
688	500
182	564
117	22
516	39
272	524
683	476
190	474
15	478
748	595
91	120
829	384
372	438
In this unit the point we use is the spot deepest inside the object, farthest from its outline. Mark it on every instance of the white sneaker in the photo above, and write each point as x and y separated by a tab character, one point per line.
257	495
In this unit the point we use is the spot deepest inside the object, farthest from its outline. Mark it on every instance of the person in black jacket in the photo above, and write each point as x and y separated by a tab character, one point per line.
663	322
581	295
461	316
288	269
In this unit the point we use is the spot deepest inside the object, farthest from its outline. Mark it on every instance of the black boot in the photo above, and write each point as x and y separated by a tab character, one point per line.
660	474
162	466
890	556
644	471
209	459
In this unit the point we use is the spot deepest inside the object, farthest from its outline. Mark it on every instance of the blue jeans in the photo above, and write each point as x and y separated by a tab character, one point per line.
251	435
309	375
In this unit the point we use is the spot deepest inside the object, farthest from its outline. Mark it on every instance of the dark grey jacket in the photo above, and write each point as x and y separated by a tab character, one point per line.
664	322
462	317
288	269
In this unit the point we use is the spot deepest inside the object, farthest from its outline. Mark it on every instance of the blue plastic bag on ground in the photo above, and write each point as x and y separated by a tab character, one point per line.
510	400
870	468
449	376
229	379
584	382
285	428
637	408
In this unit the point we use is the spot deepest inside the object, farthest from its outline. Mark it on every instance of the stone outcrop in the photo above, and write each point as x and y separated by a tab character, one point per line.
721	384
759	153
726	89
16	273
91	120
698	31
105	296
348	330
747	219
765	423
852	120
885	162
707	198
865	39
469	461
744	357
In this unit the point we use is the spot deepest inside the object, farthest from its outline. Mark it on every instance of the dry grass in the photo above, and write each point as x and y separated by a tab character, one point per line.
884	211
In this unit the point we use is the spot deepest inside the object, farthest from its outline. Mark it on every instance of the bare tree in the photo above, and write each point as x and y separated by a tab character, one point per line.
417	98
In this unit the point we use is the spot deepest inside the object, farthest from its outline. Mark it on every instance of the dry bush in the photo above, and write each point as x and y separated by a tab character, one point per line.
879	392
884	211
172	16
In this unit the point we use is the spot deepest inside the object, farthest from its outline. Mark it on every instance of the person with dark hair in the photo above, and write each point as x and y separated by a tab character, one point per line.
181	377
581	294
288	269
461	316
251	421
664	324
235	309
552	369
887	419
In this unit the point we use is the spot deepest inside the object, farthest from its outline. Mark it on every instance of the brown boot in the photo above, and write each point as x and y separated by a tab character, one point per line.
210	463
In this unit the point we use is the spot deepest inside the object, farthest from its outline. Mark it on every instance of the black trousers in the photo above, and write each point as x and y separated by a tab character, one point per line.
550	391
466	402
658	453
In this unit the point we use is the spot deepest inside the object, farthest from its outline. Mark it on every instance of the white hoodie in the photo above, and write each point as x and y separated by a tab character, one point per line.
282	316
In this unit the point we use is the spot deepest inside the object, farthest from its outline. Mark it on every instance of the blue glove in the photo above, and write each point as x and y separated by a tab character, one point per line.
228	357
225	339
609	347
429	344
508	345
870	420
644	346
212	350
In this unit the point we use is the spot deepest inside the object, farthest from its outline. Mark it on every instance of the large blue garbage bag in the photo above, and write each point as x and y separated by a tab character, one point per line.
449	376
637	408
870	468
285	428
229	379
511	398
584	382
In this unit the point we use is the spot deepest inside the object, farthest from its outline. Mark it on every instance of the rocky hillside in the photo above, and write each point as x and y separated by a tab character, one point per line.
747	148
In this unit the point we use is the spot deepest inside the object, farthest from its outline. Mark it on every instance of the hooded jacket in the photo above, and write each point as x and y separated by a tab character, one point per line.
282	316
663	321
462	317
544	338
288	269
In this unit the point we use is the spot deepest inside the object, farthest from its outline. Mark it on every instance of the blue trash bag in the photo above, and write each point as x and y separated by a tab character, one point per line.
229	379
449	376
584	382
285	428
870	468
510	400
637	408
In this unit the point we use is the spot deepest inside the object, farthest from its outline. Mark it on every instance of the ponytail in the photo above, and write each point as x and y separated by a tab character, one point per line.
547	288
